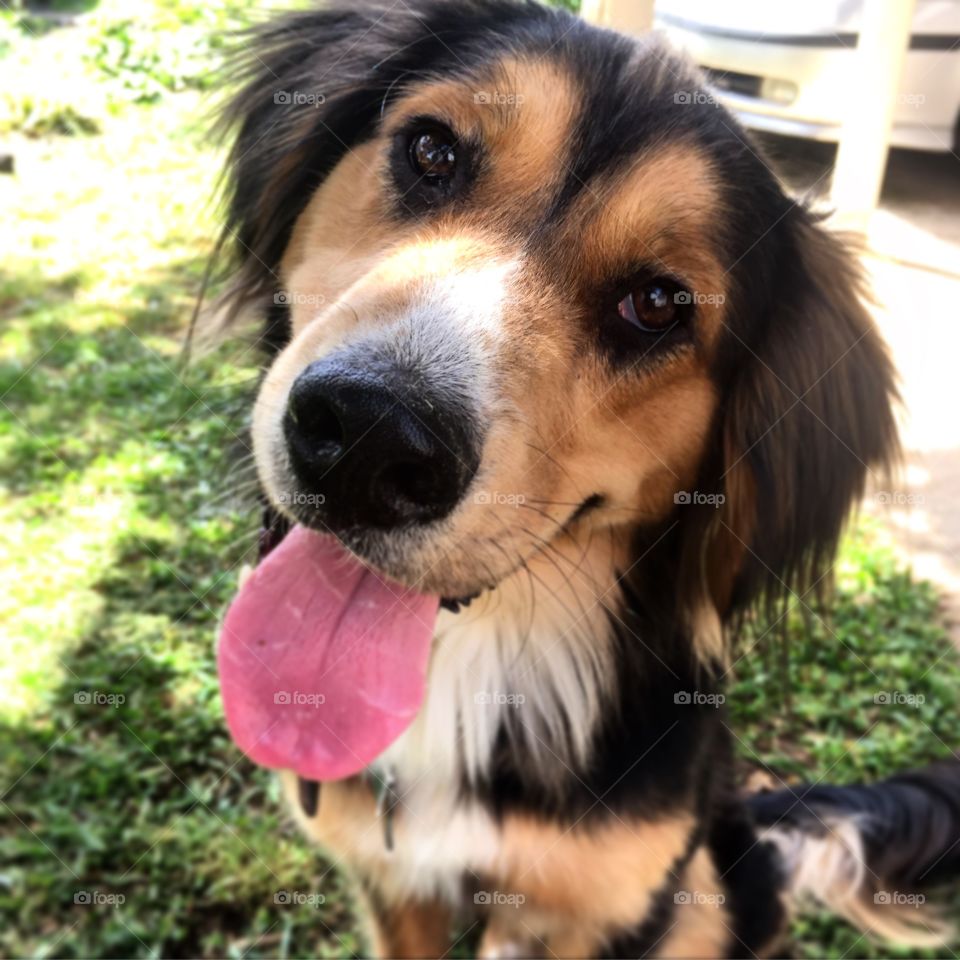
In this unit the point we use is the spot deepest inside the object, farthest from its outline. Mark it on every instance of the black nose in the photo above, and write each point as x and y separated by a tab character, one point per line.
375	449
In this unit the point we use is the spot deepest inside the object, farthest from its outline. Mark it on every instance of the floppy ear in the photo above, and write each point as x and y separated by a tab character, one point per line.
808	418
307	93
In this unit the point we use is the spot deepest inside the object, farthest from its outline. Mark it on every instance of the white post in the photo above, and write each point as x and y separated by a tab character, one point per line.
875	72
627	16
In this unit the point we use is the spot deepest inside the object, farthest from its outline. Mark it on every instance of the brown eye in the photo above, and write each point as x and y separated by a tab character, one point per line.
432	154
656	306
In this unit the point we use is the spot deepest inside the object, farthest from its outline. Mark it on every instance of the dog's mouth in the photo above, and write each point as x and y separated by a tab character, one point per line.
322	660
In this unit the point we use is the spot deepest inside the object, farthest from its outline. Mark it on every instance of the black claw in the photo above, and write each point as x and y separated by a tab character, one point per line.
309	794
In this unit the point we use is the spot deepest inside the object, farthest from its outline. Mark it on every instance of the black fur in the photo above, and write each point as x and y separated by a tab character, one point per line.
750	872
910	823
809	409
657	733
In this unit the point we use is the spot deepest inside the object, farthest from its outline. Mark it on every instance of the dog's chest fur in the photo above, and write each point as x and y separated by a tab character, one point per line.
529	665
529	661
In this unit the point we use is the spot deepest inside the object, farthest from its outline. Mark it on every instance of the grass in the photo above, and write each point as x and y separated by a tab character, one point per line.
129	825
870	688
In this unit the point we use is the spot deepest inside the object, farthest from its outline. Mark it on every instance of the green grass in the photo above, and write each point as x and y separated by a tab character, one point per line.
120	532
870	687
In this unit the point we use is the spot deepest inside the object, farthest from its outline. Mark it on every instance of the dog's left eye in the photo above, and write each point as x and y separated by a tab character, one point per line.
433	154
656	306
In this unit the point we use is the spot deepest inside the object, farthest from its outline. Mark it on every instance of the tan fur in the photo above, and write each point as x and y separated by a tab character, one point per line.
658	211
411	930
579	885
526	134
345	814
345	230
702	926
570	887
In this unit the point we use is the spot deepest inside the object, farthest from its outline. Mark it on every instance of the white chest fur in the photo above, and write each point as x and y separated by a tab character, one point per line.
532	658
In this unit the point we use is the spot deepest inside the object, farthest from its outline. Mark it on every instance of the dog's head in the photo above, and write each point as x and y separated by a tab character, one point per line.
532	280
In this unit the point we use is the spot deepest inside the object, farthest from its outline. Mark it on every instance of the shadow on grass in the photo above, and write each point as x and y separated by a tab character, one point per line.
131	825
123	791
81	382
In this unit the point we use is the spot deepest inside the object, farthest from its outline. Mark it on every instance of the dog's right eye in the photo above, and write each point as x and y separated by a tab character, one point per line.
655	306
431	165
433	154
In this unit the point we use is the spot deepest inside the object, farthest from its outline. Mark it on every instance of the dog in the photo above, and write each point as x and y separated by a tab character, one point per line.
562	388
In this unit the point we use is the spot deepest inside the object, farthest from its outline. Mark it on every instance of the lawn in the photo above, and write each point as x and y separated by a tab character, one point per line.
129	825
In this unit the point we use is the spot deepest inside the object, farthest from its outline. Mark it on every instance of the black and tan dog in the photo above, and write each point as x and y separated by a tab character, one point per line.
564	385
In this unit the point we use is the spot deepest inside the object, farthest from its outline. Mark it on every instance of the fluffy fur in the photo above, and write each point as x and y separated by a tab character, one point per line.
569	780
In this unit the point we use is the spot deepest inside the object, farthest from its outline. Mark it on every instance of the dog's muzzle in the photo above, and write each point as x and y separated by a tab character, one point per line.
374	446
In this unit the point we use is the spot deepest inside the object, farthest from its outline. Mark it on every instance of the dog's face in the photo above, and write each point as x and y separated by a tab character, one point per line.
536	285
476	356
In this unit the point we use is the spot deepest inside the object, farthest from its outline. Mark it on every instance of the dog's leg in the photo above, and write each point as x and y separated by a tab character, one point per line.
410	930
513	942
702	926
508	941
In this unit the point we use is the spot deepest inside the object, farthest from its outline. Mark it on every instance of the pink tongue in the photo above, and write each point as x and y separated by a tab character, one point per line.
322	663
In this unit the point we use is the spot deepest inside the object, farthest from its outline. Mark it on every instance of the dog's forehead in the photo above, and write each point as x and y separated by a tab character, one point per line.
591	142
589	166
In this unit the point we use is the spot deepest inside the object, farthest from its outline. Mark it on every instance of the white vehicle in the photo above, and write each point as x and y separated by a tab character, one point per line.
787	67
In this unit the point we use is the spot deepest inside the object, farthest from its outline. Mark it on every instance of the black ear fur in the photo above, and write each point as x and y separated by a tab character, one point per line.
808	416
351	59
